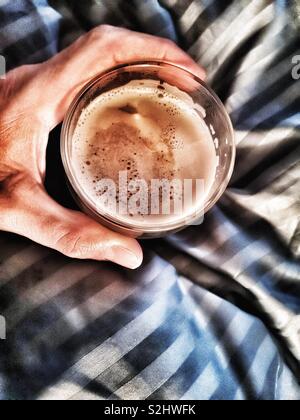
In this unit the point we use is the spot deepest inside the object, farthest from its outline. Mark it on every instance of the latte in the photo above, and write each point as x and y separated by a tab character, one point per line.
149	135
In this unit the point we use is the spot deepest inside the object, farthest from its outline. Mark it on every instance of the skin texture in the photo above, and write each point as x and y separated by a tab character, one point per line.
33	100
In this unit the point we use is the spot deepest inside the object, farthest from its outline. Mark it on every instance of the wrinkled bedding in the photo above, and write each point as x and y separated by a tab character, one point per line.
214	312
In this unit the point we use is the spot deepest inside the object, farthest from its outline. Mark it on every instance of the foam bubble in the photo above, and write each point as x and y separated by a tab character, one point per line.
150	130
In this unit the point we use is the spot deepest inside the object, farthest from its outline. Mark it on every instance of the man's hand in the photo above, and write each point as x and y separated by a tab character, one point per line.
33	100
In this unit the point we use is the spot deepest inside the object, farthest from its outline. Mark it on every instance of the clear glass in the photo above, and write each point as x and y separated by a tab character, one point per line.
216	119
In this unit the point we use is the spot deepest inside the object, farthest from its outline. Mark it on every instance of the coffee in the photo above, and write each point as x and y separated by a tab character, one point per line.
146	131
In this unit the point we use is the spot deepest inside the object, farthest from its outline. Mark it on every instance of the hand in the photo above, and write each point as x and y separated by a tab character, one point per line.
34	100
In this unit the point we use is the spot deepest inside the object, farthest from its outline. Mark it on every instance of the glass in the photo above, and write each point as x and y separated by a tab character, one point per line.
216	119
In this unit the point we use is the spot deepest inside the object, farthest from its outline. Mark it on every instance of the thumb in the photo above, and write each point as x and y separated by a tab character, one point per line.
72	233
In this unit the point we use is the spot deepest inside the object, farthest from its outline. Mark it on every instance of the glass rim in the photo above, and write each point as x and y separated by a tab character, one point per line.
163	227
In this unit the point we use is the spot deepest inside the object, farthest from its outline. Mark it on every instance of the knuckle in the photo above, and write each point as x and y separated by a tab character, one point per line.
97	33
170	44
67	243
71	244
82	243
103	29
83	42
93	35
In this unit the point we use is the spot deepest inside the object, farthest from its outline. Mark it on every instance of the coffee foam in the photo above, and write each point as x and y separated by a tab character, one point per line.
149	129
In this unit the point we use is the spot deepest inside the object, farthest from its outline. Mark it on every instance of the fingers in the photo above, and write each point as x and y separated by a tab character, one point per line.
64	75
139	46
164	49
75	235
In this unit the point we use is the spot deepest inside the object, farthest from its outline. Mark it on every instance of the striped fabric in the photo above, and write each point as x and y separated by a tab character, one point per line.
214	312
